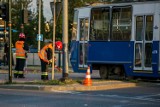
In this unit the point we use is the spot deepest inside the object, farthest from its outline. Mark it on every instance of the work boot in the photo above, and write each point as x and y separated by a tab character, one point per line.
15	74
44	77
20	74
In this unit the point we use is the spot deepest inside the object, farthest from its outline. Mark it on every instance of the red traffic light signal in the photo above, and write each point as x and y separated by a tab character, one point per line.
58	45
4	11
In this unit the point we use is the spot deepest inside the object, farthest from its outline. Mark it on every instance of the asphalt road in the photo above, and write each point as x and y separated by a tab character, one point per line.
128	97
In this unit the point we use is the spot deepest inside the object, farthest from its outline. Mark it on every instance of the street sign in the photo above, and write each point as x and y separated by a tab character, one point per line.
39	37
58	7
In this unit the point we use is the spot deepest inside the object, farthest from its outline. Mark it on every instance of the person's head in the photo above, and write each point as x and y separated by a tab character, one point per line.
22	37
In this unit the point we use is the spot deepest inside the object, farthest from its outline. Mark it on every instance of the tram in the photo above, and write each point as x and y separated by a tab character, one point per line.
117	39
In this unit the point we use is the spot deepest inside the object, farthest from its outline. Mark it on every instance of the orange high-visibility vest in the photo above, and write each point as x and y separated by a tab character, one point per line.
20	52
43	54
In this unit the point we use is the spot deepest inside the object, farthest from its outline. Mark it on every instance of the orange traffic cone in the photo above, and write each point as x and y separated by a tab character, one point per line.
87	81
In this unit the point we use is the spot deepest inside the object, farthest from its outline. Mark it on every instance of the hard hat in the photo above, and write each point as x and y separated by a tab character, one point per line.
21	35
58	45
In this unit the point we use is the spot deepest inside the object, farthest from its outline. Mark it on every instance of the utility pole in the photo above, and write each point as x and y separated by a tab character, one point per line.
5	31
22	26
54	32
39	24
65	40
55	8
10	42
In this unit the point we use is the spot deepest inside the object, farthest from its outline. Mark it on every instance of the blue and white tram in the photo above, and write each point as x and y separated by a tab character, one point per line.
122	39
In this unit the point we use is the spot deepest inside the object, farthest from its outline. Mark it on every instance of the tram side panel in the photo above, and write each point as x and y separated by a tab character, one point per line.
155	57
74	56
112	53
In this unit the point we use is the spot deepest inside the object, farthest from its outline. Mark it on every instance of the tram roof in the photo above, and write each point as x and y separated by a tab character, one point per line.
119	4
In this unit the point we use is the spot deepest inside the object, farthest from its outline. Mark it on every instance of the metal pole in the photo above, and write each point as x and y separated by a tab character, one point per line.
65	39
59	59
54	32
5	38
10	43
39	25
5	30
22	26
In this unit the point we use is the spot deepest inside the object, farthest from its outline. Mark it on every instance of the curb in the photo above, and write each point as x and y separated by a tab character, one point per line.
73	87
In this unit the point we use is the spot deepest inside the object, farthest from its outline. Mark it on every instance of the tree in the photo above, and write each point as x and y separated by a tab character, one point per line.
30	28
78	3
75	4
17	16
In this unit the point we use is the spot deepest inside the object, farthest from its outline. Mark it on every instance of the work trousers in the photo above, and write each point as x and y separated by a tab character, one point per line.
7	59
44	70
20	63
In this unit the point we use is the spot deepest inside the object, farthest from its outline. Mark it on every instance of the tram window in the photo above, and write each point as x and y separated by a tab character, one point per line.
138	55
99	24
84	29
74	26
148	54
149	28
139	28
121	23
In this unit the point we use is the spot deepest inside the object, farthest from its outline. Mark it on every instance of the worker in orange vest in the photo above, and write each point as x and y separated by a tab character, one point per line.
45	56
21	55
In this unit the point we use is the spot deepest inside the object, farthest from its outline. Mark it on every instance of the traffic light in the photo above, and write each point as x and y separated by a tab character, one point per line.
47	28
4	11
30	17
24	16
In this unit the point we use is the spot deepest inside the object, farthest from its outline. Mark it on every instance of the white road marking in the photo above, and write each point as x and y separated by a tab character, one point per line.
148	96
144	98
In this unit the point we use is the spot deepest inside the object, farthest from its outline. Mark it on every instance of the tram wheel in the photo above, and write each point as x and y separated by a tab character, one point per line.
118	70
104	73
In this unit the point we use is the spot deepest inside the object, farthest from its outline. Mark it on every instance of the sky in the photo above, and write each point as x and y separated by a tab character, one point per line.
46	8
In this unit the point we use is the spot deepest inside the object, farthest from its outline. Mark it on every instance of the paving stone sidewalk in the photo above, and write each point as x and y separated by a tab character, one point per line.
33	74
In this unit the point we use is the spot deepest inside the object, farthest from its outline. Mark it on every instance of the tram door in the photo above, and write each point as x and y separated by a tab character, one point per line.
83	42
143	43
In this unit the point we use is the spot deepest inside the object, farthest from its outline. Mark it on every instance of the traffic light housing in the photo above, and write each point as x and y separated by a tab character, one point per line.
4	11
24	16
47	28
